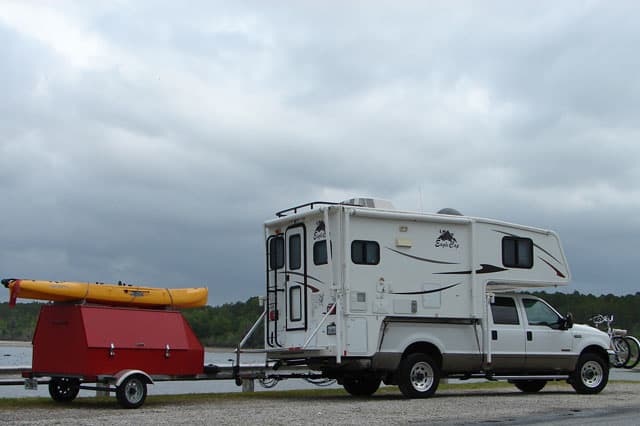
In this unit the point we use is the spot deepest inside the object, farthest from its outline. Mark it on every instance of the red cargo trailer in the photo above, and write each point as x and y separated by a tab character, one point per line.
124	347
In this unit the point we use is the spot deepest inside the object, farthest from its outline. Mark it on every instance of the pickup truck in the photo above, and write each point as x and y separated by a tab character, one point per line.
529	344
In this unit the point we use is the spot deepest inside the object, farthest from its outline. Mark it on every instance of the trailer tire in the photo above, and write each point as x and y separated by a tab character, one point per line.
361	385
418	376
64	389
530	386
591	374
132	392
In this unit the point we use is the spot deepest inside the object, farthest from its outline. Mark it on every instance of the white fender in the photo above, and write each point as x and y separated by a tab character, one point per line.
121	376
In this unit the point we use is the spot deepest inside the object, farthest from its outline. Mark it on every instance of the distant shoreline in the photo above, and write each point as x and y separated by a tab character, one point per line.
18	343
22	344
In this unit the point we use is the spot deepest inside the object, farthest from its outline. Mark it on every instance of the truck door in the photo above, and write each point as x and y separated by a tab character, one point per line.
549	346
507	336
296	278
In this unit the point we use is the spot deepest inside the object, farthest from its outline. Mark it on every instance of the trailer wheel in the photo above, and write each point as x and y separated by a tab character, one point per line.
418	376
362	385
64	389
132	392
530	386
591	374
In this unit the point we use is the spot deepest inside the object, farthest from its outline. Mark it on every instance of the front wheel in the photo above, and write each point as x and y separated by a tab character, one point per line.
132	392
591	374
361	386
530	386
64	389
418	376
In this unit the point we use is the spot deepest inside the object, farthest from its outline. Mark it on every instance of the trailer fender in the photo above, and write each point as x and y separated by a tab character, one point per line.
121	376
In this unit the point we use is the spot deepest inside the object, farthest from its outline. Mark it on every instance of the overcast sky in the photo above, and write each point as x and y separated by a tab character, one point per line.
148	141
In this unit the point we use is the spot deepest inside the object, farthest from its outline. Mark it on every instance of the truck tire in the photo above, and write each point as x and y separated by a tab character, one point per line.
418	376
361	386
132	392
530	386
64	389
591	374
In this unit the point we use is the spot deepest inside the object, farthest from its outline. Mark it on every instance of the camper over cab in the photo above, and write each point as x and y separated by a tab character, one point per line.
367	294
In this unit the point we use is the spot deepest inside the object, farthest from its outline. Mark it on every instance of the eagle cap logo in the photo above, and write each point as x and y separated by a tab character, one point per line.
447	240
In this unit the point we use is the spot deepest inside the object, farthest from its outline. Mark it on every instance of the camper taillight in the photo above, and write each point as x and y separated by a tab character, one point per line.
273	315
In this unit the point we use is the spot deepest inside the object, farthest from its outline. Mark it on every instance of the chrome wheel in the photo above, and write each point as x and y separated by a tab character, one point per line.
418	375
592	374
421	376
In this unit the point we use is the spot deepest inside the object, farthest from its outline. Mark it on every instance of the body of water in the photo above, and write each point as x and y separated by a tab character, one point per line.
21	356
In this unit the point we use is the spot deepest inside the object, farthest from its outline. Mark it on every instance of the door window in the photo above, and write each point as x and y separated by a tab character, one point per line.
295	252
504	311
539	313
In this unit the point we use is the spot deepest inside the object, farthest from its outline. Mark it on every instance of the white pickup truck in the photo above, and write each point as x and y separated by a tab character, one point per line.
530	343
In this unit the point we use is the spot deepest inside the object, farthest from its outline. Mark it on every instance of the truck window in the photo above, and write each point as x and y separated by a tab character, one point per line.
517	252
539	313
504	311
365	252
276	253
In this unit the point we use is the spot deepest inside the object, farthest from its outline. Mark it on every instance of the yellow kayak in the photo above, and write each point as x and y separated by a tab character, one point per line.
107	294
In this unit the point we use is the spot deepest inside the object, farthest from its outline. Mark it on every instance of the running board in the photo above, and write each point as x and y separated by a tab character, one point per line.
548	377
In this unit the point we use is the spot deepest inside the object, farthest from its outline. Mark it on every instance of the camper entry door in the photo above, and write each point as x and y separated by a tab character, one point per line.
296	279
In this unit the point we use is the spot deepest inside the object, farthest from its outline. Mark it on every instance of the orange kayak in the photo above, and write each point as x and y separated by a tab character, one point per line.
107	294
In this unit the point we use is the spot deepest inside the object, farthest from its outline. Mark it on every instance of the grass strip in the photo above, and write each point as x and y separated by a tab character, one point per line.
195	398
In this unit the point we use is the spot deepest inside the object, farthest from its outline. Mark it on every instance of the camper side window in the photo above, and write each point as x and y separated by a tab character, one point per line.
365	252
320	253
504	311
517	252
276	253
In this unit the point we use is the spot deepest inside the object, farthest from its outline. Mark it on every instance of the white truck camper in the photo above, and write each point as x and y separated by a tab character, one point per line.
365	294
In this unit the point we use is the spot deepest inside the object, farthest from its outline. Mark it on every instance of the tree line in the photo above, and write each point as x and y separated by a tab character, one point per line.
225	325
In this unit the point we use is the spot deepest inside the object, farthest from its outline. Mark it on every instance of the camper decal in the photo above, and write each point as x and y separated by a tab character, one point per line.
484	269
320	233
428	291
447	240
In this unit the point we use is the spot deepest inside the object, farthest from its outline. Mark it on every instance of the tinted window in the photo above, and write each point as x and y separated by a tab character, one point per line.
517	252
504	311
365	252
320	253
295	252
276	253
539	313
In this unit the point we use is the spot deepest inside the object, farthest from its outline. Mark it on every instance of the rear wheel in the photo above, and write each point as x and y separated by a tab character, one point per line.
530	386
64	389
132	392
634	352
621	347
418	376
591	374
361	386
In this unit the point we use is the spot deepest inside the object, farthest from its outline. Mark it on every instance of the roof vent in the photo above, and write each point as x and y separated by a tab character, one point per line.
449	211
370	202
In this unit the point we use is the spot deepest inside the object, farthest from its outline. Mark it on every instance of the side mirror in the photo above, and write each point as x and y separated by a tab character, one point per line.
568	321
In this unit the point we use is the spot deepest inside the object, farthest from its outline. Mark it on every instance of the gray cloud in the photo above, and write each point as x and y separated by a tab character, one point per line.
148	142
